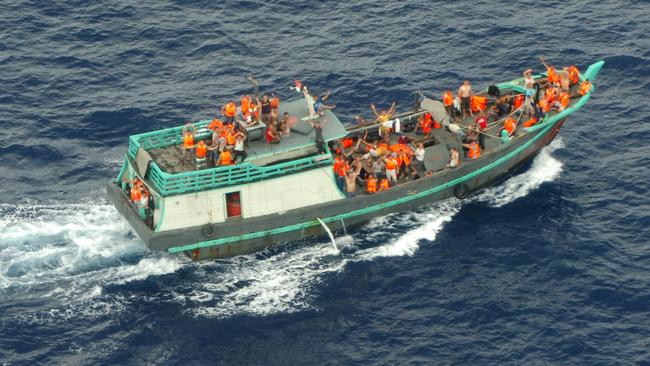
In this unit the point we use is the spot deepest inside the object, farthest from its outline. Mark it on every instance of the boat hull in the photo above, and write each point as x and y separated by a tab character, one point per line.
240	236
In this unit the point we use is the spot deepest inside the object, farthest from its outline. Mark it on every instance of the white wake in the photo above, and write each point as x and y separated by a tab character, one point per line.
71	253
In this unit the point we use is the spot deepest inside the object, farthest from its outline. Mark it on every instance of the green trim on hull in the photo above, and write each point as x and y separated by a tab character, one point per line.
284	229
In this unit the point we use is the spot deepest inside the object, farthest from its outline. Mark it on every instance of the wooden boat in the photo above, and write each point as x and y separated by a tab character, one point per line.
288	191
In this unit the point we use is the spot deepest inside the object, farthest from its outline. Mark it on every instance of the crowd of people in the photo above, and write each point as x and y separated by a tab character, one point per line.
379	163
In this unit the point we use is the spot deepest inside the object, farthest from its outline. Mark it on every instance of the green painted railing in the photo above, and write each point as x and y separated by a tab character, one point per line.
226	176
218	177
163	138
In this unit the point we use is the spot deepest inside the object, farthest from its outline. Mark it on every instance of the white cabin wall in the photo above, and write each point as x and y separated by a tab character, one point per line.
257	199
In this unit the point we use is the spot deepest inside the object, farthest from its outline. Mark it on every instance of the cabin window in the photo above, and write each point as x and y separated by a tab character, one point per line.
233	204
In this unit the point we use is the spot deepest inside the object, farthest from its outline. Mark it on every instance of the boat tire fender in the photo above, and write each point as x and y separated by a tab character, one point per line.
209	231
461	191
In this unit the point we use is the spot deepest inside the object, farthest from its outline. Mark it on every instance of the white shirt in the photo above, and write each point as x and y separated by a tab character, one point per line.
419	154
239	145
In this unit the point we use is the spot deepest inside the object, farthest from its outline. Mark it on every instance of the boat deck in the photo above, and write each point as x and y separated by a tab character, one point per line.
299	142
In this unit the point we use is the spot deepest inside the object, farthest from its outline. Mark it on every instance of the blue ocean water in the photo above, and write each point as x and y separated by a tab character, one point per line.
551	266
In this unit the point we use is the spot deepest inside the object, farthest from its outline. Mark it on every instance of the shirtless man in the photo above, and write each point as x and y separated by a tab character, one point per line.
351	181
384	115
465	94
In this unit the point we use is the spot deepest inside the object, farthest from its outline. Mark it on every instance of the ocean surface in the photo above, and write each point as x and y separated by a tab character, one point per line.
550	267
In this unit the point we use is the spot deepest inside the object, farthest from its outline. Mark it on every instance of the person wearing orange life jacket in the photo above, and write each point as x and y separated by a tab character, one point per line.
574	75
519	101
229	111
473	150
201	150
215	124
275	105
391	167
510	125
426	122
384	185
225	158
448	101
136	193
551	74
564	99
585	87
188	133
550	95
245	102
371	184
544	105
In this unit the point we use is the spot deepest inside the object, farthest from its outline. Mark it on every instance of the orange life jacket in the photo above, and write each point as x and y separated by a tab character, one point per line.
343	169
135	193
551	75
245	104
391	164
188	141
406	159
544	104
230	138
225	158
479	103
383	185
274	102
474	150
231	109
530	122
338	162
585	87
551	95
372	185
201	149
447	98
564	99
426	123
574	74
509	125
519	100
215	124
347	142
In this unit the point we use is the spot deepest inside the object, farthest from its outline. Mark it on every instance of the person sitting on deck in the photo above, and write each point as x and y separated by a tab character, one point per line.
454	158
265	107
229	111
448	101
465	94
473	150
318	135
510	125
384	185
551	74
391	167
275	105
188	133
225	158
272	136
385	115
371	184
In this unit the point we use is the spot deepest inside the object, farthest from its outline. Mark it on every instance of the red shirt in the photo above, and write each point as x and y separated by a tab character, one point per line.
482	122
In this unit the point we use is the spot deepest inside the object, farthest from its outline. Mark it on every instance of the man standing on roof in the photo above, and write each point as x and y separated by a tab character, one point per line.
465	94
318	132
